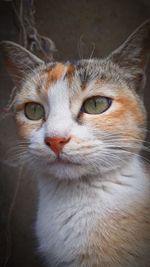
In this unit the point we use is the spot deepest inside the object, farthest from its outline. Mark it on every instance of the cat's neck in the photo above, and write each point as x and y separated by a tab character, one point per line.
119	186
70	210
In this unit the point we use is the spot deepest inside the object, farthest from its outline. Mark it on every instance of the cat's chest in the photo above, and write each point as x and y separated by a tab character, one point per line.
68	214
64	220
69	210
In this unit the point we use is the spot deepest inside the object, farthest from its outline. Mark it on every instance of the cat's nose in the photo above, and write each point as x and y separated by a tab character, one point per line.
56	143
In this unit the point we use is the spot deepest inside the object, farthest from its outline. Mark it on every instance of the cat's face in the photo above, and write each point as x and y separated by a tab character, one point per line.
81	119
102	121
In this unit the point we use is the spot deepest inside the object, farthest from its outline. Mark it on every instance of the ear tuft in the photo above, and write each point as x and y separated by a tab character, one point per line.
19	61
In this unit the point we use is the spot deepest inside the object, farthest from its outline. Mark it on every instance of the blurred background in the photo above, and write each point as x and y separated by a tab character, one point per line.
76	29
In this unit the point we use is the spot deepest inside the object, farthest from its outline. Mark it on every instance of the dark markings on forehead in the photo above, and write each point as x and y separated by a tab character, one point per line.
86	71
89	71
74	66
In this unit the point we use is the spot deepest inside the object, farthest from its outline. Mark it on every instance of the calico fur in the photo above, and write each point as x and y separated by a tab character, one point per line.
94	205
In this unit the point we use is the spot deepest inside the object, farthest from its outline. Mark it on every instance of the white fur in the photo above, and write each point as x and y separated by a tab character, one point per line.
59	121
68	211
72	195
98	171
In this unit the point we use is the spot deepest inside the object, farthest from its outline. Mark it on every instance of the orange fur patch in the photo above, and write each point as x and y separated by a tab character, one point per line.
69	73
132	107
128	119
20	107
55	73
70	70
26	129
121	239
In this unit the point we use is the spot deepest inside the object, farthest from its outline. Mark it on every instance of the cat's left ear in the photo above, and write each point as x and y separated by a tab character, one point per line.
132	56
19	61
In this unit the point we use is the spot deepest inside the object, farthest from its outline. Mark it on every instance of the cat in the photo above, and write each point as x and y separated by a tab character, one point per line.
81	127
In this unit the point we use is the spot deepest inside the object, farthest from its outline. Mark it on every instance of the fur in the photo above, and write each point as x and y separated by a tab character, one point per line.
94	207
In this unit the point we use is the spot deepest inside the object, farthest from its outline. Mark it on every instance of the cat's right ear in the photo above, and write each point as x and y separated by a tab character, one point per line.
19	62
132	56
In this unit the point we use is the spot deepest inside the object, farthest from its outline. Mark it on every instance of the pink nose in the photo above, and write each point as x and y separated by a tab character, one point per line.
56	143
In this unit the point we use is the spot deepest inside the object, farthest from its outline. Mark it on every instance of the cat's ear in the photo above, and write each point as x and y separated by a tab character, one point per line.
132	55
19	61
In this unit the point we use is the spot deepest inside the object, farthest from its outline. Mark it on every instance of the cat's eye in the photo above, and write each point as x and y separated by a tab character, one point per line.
96	105
34	111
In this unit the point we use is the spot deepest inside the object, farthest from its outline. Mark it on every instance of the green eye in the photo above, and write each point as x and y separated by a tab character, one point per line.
34	111
96	105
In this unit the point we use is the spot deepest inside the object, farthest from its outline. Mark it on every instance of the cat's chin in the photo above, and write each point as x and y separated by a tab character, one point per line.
66	170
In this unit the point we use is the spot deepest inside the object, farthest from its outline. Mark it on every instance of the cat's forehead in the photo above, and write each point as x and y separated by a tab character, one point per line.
78	76
82	72
85	70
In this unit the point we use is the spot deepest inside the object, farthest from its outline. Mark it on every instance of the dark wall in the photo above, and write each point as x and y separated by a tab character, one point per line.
103	24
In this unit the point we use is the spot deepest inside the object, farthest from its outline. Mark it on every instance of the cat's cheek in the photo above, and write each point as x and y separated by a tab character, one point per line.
37	141
124	117
81	132
26	130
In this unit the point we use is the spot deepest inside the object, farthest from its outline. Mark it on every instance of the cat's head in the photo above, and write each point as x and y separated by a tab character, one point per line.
80	119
